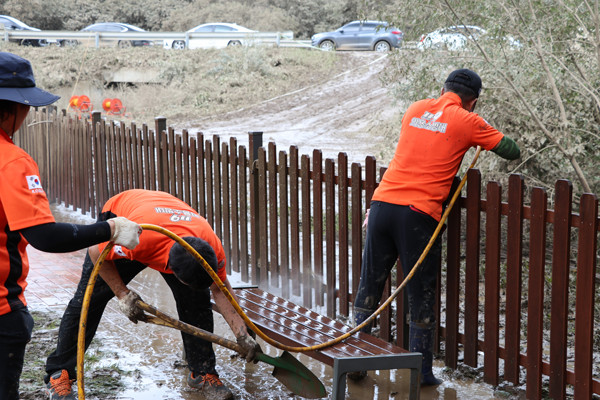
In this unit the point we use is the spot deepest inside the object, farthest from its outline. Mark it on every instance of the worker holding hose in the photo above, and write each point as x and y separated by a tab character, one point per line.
25	218
184	275
407	205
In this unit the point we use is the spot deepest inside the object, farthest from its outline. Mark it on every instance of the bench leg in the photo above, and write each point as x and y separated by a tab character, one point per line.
411	361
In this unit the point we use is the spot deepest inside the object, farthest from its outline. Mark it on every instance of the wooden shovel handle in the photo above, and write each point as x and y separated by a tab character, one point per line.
163	319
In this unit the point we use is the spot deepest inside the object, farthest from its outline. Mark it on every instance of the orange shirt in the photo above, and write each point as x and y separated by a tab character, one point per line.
23	204
166	211
435	135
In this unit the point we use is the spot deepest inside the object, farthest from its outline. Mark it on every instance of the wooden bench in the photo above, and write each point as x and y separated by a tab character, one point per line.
293	325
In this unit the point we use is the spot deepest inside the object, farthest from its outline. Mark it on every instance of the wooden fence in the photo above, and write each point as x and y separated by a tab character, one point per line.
519	280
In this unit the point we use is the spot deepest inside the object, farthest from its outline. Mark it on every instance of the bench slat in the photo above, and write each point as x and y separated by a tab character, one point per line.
294	325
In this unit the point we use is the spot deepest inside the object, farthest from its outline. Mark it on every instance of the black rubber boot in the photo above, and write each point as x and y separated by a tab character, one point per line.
360	314
421	341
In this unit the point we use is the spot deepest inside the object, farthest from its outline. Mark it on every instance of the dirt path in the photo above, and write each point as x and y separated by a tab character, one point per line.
327	116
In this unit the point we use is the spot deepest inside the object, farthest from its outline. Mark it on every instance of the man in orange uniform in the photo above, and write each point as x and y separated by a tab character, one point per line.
186	278
407	205
25	218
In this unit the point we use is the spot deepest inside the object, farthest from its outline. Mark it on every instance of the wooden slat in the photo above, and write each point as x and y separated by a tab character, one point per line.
330	242
185	172
294	221
263	242
516	187
284	227
492	283
226	203
317	207
535	303
357	215
584	308
170	162
193	174
472	248
273	215
216	181
306	232
177	164
243	196
560	289
201	153
344	256
163	164
235	201
129	156
208	180
452	287
139	162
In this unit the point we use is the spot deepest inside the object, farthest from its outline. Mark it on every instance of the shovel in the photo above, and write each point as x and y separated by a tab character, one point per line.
288	370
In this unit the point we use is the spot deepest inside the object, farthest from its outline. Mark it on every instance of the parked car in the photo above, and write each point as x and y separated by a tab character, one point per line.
117	27
210	42
13	24
360	35
457	37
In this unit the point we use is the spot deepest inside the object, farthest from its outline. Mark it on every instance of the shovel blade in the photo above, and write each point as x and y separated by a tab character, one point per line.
296	377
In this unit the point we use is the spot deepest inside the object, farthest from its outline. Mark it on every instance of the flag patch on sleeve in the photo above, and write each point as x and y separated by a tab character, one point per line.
33	181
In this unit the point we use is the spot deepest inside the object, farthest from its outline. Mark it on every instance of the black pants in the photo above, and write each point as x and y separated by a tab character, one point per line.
193	307
15	333
394	232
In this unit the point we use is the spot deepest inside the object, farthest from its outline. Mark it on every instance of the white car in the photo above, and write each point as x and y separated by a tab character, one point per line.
450	38
222	29
457	37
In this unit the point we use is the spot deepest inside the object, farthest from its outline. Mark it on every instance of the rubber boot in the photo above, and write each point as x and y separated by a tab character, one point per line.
360	314
421	341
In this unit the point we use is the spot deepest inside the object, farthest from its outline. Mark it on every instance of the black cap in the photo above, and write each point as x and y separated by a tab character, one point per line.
17	83
467	78
185	266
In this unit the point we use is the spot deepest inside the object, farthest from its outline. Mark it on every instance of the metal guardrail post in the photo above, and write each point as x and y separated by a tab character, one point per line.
255	140
160	126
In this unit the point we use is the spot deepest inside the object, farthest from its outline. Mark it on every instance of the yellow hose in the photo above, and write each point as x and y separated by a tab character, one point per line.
236	306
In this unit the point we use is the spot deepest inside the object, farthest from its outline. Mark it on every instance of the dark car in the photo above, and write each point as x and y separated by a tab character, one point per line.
360	35
117	27
13	24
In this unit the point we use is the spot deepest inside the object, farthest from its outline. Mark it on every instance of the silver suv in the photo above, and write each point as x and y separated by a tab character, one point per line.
360	35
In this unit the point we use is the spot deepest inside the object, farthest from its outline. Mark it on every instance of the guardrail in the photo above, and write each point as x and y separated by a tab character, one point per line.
281	39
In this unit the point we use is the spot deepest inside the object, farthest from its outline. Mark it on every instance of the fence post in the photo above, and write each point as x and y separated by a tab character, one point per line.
99	162
160	126
254	143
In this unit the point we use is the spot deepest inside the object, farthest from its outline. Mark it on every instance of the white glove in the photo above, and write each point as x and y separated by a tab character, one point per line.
128	306
127	233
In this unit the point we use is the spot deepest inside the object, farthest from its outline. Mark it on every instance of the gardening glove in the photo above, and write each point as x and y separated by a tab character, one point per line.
250	348
127	233
128	306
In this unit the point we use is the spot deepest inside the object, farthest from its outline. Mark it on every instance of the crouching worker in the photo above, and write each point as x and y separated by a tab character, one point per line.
186	278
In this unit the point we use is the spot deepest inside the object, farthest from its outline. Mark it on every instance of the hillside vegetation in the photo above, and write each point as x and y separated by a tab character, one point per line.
545	92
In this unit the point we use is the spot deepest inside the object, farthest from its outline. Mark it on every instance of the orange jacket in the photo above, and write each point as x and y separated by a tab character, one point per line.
435	135
23	204
164	210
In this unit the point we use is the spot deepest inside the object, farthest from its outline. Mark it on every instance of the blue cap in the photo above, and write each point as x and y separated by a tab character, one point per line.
17	83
